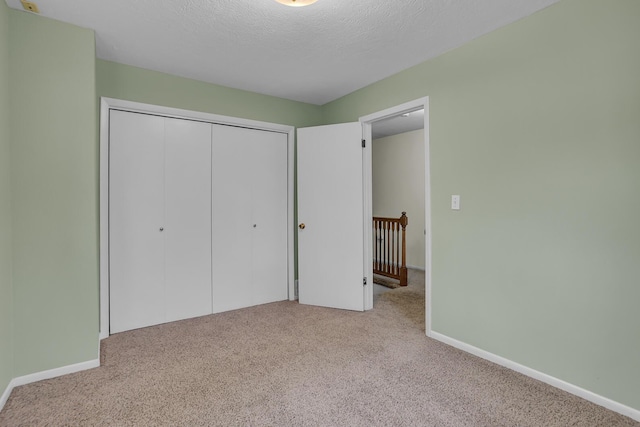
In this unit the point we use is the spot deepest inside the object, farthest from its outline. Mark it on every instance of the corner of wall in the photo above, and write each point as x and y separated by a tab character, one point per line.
53	180
6	257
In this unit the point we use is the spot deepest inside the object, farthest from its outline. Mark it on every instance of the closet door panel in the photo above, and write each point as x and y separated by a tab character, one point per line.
269	194
231	219
136	206
187	226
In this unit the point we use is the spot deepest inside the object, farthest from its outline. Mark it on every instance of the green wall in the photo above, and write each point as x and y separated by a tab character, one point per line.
537	127
136	84
55	193
6	293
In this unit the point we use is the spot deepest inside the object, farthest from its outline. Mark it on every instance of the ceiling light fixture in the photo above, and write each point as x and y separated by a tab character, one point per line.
297	3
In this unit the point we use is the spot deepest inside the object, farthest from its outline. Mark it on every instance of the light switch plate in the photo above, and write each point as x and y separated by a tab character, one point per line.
455	202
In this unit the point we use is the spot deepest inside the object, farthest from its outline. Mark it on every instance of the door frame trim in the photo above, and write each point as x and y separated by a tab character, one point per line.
367	121
107	104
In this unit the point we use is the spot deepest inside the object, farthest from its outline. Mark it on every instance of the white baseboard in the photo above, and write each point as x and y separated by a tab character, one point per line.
540	376
45	375
5	395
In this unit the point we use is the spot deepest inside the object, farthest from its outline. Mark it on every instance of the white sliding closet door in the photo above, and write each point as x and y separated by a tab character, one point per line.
160	220
249	217
136	213
187	230
269	213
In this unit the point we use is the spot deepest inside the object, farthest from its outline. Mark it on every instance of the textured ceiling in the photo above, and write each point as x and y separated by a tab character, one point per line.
312	54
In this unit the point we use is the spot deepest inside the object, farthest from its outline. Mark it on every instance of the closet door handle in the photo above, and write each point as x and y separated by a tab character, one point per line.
161	228
302	226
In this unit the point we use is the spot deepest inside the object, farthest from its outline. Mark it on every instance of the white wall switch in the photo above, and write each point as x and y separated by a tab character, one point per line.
455	202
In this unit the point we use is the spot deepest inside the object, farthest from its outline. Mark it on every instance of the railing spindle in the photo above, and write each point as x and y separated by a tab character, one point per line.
397	248
378	244
393	247
375	240
386	258
375	245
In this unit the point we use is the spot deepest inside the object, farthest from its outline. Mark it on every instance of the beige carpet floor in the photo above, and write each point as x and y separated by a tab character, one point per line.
285	364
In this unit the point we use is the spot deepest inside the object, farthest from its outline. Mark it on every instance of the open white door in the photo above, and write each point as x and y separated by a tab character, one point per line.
330	216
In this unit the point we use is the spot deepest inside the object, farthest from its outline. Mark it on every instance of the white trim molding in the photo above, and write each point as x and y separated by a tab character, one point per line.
45	375
540	376
367	121
5	395
108	104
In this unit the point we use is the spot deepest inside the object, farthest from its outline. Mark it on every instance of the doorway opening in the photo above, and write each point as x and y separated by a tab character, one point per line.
397	156
396	180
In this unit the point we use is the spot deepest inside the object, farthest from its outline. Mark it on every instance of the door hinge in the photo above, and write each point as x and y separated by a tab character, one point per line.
364	281
364	143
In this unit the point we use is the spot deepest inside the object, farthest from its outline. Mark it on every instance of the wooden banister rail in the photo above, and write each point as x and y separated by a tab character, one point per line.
390	247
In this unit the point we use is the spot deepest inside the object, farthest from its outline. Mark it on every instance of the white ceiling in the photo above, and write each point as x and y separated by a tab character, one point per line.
313	54
398	124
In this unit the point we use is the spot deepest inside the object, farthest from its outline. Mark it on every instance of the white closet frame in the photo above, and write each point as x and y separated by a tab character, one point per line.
107	104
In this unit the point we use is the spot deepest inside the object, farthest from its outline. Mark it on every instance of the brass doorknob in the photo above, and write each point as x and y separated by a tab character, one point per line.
302	226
